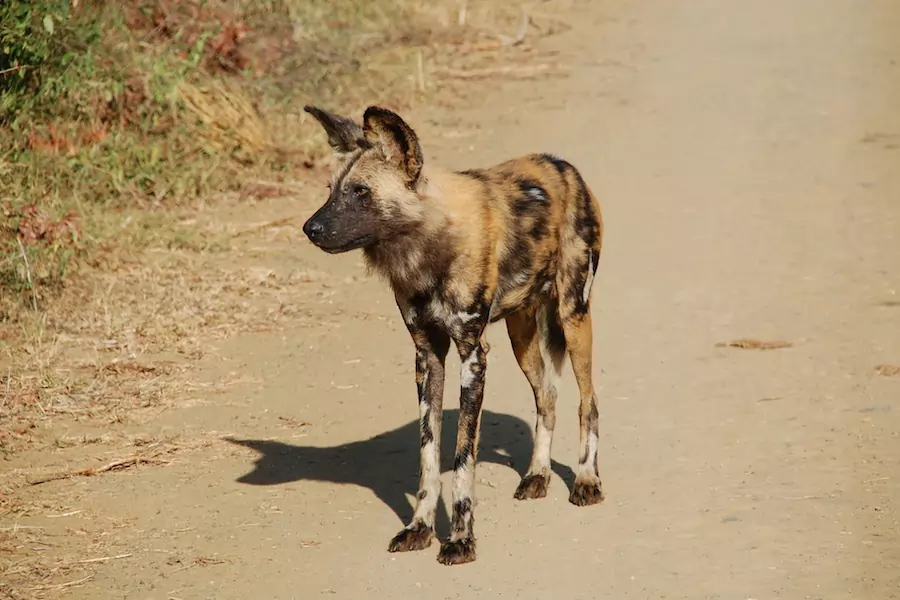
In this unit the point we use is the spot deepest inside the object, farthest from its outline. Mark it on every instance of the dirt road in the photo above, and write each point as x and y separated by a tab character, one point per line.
746	155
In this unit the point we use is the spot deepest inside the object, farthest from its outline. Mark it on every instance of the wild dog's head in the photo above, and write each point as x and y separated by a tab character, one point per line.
373	192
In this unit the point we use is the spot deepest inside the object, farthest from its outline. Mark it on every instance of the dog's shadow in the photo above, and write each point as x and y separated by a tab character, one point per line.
388	464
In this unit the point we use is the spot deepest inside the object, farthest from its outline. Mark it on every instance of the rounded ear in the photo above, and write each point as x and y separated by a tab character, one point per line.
397	141
344	135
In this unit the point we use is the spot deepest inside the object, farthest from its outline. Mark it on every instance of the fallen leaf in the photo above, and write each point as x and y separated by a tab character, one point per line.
887	370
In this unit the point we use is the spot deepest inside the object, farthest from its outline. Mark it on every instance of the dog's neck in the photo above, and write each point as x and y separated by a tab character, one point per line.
415	262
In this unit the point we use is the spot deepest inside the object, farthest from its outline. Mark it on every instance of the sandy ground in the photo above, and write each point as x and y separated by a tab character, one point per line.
747	157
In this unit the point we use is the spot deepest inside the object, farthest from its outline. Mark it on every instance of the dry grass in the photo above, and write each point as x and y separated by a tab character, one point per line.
35	563
226	119
123	352
47	546
56	561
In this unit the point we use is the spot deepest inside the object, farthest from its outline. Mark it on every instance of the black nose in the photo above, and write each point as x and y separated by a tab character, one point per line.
313	229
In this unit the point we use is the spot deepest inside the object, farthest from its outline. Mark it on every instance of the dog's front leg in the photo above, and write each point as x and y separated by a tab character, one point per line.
432	345
460	548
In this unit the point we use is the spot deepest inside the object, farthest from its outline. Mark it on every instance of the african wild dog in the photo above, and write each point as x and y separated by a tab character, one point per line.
517	241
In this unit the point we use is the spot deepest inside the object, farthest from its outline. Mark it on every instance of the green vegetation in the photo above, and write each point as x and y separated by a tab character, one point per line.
119	112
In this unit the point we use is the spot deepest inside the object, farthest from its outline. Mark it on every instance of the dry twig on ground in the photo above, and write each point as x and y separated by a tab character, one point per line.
754	344
123	463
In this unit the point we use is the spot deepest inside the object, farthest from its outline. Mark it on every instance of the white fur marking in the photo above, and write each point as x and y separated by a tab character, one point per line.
430	484
452	320
587	467
466	376
439	311
540	459
590	277
465	317
592	447
536	194
463	488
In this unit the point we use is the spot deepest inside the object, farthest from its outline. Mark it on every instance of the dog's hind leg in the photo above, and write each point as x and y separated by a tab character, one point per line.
587	488
540	348
574	283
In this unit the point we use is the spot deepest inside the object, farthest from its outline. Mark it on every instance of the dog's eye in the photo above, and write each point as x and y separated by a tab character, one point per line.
362	191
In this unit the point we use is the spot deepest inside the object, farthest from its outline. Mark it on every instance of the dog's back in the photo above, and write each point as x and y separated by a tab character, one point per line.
529	228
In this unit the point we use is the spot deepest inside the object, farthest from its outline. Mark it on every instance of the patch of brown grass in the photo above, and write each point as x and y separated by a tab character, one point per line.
226	120
123	354
35	563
